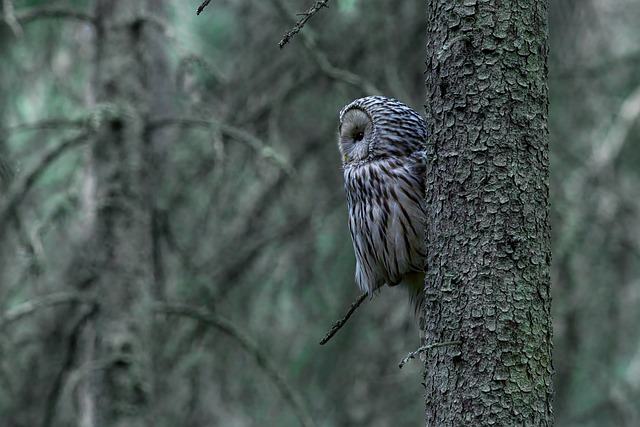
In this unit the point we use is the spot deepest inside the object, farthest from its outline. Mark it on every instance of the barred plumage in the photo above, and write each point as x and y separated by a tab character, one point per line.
382	142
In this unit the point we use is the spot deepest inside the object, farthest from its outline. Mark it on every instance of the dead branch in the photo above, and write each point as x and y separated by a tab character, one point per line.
247	344
322	60
340	323
24	16
202	6
31	306
305	17
426	348
18	191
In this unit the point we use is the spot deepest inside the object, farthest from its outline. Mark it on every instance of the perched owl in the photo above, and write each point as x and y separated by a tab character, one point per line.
382	142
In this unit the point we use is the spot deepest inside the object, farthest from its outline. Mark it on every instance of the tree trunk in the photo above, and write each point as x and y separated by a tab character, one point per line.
119	205
488	281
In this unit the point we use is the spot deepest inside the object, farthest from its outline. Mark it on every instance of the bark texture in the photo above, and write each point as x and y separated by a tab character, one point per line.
489	253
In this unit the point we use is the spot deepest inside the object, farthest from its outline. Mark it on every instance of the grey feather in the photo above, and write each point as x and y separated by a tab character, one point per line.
382	142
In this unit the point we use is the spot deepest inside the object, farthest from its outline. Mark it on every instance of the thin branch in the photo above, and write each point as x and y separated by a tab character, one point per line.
204	4
236	242
18	191
305	17
338	73
28	15
322	61
247	344
33	305
235	265
426	348
232	132
340	323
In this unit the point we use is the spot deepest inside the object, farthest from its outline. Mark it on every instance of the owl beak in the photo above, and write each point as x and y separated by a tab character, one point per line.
344	157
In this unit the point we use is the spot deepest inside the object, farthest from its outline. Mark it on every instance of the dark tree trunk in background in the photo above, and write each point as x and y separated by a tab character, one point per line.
488	230
118	200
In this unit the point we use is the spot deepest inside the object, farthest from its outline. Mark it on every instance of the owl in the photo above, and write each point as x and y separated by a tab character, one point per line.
382	143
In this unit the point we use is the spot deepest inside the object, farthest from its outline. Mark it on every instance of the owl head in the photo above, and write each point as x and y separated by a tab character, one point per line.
376	127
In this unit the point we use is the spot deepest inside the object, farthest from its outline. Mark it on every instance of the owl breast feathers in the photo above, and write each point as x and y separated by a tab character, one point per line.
382	143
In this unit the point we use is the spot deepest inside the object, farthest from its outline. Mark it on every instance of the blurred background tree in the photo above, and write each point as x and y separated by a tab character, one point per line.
234	207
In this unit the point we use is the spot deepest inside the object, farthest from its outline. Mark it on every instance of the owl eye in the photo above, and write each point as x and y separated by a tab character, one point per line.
359	136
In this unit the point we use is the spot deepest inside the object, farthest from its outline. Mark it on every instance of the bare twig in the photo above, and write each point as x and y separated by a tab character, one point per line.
33	305
305	17
336	73
230	131
18	191
426	348
202	6
340	323
247	344
322	61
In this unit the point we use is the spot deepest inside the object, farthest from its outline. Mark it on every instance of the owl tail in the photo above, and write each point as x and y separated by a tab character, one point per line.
414	284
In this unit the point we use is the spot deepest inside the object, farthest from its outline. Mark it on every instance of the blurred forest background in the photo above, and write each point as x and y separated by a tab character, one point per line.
244	215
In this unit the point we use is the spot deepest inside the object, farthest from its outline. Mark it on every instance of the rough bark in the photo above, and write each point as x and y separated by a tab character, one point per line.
488	260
